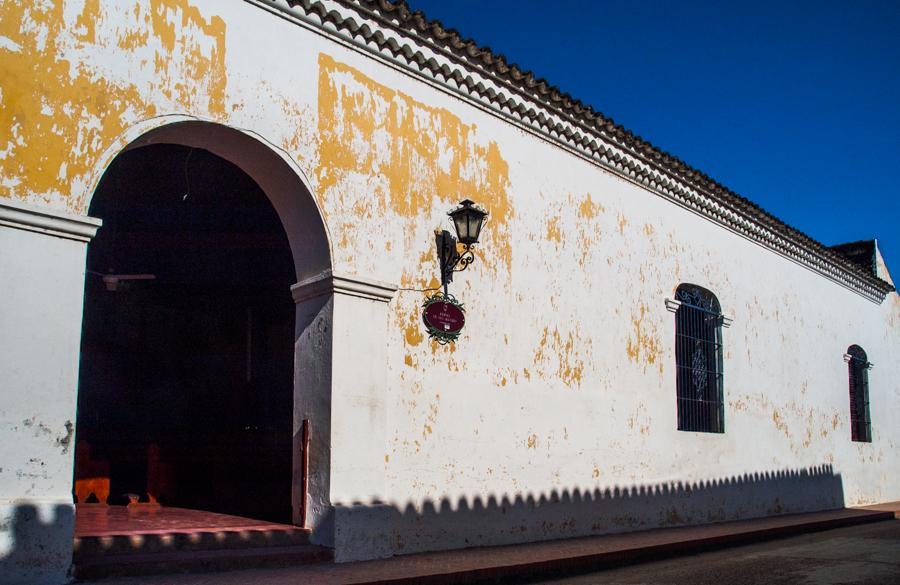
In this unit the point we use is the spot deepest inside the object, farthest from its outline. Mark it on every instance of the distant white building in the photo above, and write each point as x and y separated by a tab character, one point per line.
643	347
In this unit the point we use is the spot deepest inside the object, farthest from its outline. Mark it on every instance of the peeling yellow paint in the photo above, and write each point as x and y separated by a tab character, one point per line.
587	209
640	420
588	231
196	64
413	332
506	376
379	149
531	441
422	156
302	138
86	21
62	115
554	233
644	346
133	38
780	423
562	351
430	418
59	116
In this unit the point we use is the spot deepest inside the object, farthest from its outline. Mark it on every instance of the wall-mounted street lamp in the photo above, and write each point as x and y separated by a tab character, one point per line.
443	315
468	218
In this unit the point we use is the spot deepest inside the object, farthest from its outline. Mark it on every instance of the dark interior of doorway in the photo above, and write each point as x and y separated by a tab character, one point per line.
185	388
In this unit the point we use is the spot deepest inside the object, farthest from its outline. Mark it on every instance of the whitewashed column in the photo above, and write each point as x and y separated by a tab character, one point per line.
42	270
340	386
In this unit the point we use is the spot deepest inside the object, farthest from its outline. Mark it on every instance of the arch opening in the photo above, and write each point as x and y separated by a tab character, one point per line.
186	386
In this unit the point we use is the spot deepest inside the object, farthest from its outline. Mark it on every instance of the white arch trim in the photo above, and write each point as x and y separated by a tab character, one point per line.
274	170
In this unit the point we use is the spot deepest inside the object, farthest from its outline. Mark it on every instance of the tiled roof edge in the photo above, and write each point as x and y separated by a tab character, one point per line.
545	109
861	252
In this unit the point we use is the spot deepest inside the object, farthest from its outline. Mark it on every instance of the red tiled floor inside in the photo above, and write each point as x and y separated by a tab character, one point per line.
98	520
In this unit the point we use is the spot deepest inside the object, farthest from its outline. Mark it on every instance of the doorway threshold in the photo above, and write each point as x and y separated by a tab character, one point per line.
147	539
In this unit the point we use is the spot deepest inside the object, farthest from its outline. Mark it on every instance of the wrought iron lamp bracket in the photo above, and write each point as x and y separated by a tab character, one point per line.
450	258
867	365
463	260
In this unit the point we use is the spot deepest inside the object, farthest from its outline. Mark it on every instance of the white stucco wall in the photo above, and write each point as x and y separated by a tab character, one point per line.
554	415
40	334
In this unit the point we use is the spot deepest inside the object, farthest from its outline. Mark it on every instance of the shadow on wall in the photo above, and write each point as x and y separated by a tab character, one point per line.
379	530
33	550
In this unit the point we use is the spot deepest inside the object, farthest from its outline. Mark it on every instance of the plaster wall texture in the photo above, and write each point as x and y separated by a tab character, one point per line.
40	333
312	402
554	415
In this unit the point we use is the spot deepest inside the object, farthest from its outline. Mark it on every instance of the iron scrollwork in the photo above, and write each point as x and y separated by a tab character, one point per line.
697	297
450	258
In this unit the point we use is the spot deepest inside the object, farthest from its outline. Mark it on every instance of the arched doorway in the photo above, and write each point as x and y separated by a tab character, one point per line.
186	390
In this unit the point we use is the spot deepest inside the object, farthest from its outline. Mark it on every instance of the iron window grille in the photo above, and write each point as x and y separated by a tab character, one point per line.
698	360
858	366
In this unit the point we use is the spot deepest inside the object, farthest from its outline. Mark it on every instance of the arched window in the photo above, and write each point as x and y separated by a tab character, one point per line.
860	424
698	360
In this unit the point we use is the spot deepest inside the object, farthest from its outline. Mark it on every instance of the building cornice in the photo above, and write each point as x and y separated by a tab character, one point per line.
425	48
48	221
329	282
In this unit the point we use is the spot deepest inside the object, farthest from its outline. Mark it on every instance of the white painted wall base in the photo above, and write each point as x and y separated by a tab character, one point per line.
383	530
36	545
42	260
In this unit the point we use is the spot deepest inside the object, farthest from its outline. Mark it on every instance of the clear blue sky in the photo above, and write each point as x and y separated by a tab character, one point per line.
794	105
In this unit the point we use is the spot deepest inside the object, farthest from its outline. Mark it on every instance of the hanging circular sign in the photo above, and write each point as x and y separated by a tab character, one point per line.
444	317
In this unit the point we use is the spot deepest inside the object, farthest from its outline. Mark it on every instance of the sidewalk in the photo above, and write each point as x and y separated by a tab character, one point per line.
542	558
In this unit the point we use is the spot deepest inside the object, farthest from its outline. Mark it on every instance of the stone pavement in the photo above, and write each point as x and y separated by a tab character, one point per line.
868	554
533	559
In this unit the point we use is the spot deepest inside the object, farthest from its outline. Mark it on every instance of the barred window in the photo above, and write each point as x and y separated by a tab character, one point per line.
698	360
860	423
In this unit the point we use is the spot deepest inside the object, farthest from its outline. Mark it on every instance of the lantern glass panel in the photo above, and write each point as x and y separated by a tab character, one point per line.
462	226
475	221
